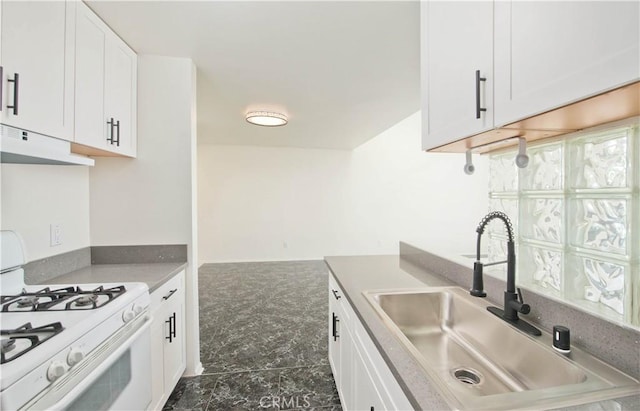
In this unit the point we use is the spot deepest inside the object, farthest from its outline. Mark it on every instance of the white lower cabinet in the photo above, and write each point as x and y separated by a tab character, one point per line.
363	379
167	339
365	394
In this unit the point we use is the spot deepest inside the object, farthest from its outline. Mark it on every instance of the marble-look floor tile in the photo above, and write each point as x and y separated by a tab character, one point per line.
270	336
244	391
263	339
191	393
263	315
313	387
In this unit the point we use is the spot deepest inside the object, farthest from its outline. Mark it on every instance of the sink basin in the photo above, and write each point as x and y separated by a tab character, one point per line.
479	361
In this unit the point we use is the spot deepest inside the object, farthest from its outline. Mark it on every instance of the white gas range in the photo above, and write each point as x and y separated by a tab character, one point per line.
71	347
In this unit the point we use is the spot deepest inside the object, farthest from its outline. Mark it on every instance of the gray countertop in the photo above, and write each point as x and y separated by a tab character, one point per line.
154	274
360	273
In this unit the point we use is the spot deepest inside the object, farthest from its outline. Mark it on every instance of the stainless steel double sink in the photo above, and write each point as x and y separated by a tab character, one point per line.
478	361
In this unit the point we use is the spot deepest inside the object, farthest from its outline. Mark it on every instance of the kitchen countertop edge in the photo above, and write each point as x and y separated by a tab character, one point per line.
153	274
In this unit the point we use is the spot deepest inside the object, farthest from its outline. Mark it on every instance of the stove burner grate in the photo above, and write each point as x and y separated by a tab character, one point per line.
30	301
86	300
8	346
52	300
26	333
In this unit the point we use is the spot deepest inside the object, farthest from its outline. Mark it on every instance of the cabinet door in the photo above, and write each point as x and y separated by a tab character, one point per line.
334	344
168	354
389	393
549	54
457	41
90	122
174	340
347	352
120	95
37	45
365	394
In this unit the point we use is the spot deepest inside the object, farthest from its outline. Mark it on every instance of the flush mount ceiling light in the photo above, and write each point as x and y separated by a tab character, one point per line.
266	118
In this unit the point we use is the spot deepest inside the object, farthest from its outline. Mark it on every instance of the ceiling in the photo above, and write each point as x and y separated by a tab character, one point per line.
342	72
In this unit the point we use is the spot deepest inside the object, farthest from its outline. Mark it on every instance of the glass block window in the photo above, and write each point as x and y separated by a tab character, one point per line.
576	212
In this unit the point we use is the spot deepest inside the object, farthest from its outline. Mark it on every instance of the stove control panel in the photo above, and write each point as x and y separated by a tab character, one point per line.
75	356
56	370
131	313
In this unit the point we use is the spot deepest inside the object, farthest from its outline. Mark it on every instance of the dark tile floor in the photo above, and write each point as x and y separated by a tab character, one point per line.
263	339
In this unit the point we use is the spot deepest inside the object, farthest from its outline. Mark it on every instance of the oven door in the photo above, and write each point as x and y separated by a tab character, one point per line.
115	376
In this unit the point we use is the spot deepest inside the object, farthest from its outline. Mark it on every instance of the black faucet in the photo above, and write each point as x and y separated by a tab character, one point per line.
513	303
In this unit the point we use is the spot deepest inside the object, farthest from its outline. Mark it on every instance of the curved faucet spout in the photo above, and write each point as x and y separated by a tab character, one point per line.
486	220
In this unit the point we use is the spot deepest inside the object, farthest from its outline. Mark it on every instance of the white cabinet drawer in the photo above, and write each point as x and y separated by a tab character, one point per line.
167	291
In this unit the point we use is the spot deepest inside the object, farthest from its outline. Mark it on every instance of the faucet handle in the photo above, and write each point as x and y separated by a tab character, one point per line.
524	308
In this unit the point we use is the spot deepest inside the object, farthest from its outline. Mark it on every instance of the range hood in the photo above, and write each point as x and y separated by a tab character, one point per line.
26	147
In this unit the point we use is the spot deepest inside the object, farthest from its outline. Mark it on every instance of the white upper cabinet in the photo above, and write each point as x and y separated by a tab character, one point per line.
90	126
37	66
106	70
120	94
457	43
535	56
549	54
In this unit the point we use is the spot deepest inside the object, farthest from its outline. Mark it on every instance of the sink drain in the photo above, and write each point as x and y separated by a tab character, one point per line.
467	376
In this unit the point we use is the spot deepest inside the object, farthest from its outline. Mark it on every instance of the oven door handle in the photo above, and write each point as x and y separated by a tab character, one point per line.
102	365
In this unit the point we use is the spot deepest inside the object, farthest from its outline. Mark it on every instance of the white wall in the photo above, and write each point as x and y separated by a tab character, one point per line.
149	200
261	203
404	194
35	196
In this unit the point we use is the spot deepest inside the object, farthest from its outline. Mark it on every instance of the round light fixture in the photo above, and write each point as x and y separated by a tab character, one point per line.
266	118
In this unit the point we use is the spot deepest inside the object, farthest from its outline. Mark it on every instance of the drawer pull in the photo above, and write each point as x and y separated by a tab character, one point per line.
335	294
166	297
